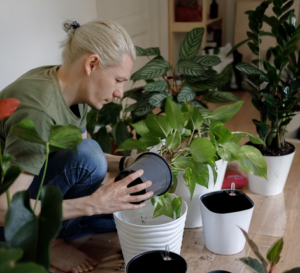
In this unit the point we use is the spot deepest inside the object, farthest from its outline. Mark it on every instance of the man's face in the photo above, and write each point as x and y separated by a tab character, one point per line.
106	84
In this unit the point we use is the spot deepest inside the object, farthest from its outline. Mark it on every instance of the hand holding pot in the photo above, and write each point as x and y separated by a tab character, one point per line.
112	197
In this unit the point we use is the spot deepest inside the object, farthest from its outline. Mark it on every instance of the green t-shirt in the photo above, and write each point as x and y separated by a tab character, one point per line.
42	102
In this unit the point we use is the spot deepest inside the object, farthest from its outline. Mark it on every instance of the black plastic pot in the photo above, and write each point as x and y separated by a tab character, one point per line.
153	261
156	169
219	271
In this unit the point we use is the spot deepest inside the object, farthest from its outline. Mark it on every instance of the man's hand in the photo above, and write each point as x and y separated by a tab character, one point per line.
115	196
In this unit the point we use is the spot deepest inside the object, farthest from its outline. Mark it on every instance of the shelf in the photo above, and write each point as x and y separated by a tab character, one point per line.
210	21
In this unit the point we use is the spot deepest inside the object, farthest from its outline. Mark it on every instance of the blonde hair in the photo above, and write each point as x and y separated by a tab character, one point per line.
107	39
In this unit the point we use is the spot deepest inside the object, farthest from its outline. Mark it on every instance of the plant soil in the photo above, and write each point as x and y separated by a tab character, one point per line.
288	148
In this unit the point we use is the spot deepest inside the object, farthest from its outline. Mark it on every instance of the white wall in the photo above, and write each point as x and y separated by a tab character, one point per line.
31	31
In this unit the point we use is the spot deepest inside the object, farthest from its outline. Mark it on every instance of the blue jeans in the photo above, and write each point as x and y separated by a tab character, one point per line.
76	175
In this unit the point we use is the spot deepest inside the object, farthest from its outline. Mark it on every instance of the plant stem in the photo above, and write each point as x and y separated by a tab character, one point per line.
44	174
8	197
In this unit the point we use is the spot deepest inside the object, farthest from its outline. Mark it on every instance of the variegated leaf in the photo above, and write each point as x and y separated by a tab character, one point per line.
156	86
189	68
186	94
207	60
191	44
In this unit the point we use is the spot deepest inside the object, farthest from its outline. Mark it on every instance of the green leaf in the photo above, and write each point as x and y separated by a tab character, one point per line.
280	62
174	115
215	174
192	43
268	67
109	114
130	108
286	16
190	182
176	205
254	139
186	94
226	112
131	144
219	97
10	176
189	68
251	70
183	162
6	160
277	11
273	255
30	232
141	127
158	100
151	51
220	131
203	110
252	36
173	140
122	133
230	151
158	125
104	139
155	68
27	131
164	207
143	108
253	264
202	149
200	174
292	19
254	162
11	255
261	128
64	137
149	140
294	270
174	184
156	86
254	48
195	117
207	60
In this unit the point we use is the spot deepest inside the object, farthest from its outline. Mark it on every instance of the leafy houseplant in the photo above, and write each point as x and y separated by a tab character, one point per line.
275	97
27	235
109	116
191	80
262	264
181	132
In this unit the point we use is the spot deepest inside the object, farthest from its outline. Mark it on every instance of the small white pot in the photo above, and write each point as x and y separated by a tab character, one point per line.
139	232
221	227
278	171
193	218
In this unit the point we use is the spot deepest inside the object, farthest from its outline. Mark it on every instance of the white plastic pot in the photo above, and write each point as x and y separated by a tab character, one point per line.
193	218
139	232
278	171
222	214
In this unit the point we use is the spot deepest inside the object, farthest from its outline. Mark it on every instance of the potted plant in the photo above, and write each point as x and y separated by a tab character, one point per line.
182	134
276	97
28	236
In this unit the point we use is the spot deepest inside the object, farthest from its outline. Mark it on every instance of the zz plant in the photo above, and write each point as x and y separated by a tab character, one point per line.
182	133
192	79
28	235
275	96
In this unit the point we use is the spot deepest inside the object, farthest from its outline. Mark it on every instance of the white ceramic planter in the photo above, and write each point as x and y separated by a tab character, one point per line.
193	218
221	233
278	170
139	232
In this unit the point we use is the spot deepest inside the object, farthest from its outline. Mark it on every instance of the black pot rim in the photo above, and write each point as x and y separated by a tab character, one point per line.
249	143
169	168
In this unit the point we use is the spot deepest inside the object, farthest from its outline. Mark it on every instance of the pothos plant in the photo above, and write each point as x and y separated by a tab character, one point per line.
264	264
28	235
182	134
276	97
192	79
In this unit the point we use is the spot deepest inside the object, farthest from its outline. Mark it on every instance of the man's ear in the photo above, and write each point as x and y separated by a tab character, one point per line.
91	63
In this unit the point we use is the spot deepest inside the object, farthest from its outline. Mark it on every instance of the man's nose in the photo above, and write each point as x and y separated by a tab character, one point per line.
118	93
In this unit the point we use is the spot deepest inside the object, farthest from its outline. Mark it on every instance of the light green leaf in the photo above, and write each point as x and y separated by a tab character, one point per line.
215	174
183	162
149	140
230	151
192	43
155	68
165	209
9	178
174	184
176	205
273	255
190	182
6	160
141	127
156	86
254	162
202	150
131	144
253	264
226	112
195	117
219	96
174	115
207	60
200	174
254	139
158	125
201	108
173	140
186	94
189	68
27	131
220	131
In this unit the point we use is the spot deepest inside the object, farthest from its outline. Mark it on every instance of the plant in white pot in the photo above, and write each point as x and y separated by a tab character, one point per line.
274	96
192	154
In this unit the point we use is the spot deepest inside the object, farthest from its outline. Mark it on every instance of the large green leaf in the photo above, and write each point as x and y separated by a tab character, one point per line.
253	264
149	140
30	232
192	43
109	114
207	60
163	207
190	182
183	162
143	108
27	131
294	270
174	115
173	140
151	51
226	112
254	162
230	151
254	139
251	70
64	137
10	176
104	139
219	96
158	125
221	132
141	127
157	67
174	184
158	100
156	86
200	174
177	204
195	117
189	68
202	150
203	110
186	94
273	255
131	144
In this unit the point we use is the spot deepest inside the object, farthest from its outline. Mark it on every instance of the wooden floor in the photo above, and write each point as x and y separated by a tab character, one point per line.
274	217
